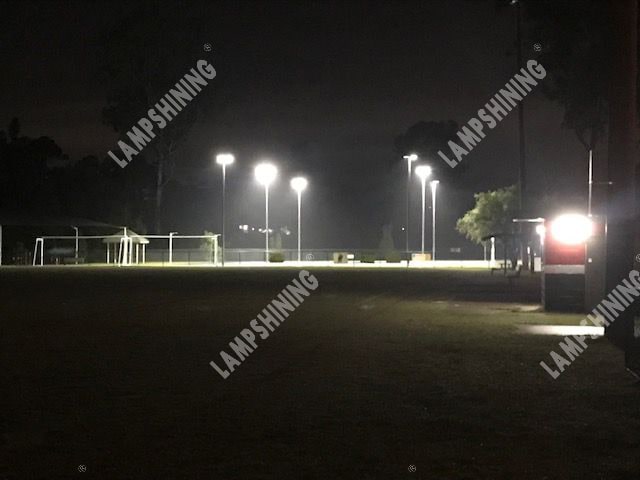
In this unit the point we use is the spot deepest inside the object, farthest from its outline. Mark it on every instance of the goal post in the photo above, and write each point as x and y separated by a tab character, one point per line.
174	249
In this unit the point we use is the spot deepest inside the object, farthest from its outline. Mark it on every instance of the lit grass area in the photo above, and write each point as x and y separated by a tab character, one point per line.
377	370
471	265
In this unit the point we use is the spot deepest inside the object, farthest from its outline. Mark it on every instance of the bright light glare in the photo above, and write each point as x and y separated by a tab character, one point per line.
540	230
265	173
224	159
571	229
562	330
423	171
412	158
299	183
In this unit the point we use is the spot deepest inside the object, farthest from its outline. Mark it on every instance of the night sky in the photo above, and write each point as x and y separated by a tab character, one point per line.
321	88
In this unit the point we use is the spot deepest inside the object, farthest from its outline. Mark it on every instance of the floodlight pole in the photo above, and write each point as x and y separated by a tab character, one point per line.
590	181
224	159
299	226
434	186
224	195
424	186
266	221
406	226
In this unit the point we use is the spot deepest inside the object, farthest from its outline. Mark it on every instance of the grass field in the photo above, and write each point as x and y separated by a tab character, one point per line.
376	371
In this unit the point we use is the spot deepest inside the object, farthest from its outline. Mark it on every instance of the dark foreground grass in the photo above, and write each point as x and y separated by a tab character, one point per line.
376	371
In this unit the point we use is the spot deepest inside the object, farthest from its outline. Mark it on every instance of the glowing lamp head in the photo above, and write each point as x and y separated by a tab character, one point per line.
411	158
299	184
224	159
265	173
423	172
571	229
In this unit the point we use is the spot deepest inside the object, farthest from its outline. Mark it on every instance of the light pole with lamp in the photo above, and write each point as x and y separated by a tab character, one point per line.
409	158
423	172
224	159
434	186
265	174
299	184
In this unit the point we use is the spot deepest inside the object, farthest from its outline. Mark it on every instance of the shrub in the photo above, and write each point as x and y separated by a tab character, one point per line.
276	257
367	258
393	257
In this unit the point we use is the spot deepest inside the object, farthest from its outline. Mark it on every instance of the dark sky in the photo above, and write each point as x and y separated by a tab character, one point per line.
323	87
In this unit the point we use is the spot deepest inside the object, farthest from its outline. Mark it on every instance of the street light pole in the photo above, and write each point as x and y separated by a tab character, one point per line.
224	197
423	202
299	184
590	181
224	159
434	186
406	224
409	158
266	221
423	172
299	228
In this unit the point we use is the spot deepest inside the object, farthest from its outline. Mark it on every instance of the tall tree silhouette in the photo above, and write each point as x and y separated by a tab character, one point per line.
144	55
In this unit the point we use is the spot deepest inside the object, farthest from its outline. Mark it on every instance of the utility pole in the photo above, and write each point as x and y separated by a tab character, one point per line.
622	211
409	158
522	170
590	181
522	165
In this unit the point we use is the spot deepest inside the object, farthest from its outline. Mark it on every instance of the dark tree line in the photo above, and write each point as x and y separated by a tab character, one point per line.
37	177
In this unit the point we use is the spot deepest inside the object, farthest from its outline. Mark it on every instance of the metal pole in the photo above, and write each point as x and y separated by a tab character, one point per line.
266	221
170	247
522	171
76	255
406	226
434	186
224	187
522	177
299	226
590	180
424	186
